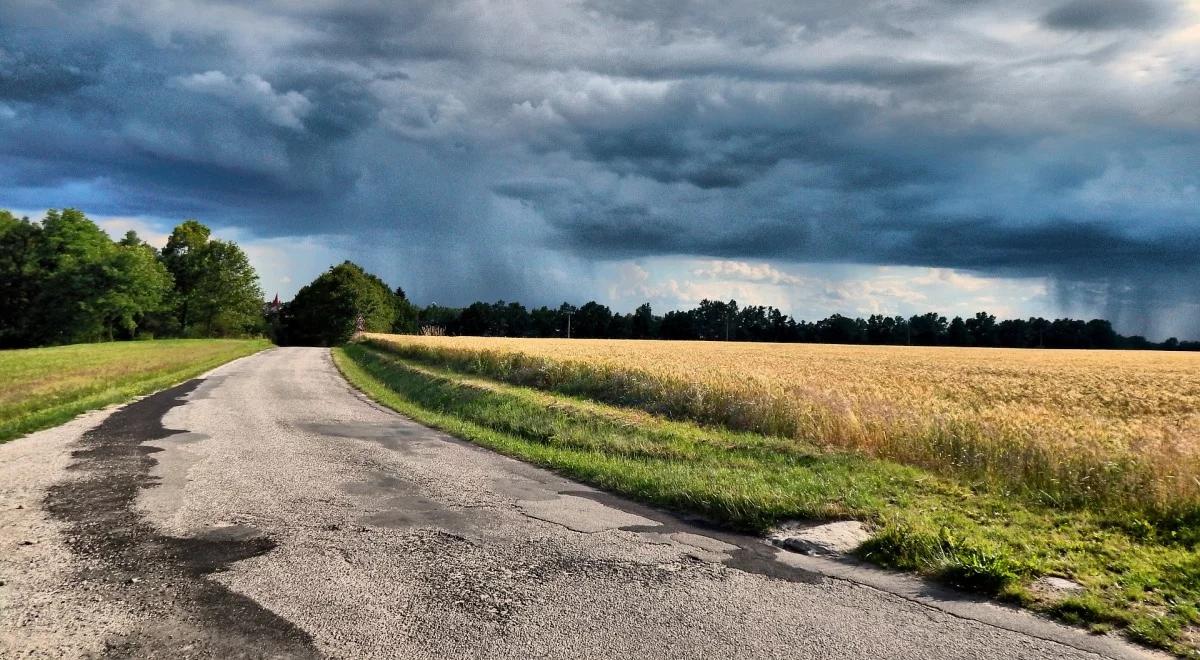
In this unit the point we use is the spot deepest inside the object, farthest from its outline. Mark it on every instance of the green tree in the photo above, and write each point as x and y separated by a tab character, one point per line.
958	334
226	299
982	328
20	274
407	315
643	322
137	285
89	288
928	329
592	320
324	312
838	329
131	239
73	253
216	288
182	256
1101	334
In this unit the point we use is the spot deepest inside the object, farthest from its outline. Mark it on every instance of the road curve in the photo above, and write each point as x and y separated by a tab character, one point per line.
270	510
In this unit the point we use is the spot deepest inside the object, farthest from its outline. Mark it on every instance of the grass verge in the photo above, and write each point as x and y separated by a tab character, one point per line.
1139	578
43	387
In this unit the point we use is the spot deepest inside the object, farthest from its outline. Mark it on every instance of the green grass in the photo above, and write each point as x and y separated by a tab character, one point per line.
43	387
1141	578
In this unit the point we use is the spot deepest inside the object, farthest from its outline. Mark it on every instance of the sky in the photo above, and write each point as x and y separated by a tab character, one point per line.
854	157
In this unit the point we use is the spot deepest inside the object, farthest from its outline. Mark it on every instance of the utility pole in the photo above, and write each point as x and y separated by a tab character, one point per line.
569	315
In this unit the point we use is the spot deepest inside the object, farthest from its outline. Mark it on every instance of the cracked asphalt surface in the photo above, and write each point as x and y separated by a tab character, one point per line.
270	510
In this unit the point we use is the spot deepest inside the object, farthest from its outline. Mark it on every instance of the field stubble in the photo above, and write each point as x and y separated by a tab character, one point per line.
1068	428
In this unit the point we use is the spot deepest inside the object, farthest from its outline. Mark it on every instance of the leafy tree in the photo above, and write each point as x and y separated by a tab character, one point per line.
137	285
887	329
407	315
131	239
620	327
713	319
957	334
226	299
70	251
1101	334
1036	332
546	322
1013	333
182	258
1066	333
479	320
716	320
783	327
79	285
982	328
1135	342
216	288
753	323
679	325
20	274
592	320
928	329
324	312
643	322
75	301
838	329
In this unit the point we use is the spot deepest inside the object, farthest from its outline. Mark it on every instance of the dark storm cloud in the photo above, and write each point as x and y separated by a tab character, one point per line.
26	77
475	148
1105	15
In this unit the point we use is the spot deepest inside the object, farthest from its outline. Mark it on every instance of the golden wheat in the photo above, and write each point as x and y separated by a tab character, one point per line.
1114	427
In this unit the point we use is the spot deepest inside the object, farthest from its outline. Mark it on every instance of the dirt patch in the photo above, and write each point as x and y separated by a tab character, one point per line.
161	578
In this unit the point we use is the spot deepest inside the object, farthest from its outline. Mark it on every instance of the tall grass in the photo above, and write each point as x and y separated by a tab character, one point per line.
1069	428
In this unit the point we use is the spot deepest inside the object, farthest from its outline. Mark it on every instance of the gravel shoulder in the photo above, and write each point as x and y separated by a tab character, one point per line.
269	510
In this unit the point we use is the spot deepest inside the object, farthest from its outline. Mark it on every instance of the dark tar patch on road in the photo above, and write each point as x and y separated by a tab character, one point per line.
161	578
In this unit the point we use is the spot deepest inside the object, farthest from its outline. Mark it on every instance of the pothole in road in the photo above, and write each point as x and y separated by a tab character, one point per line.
496	582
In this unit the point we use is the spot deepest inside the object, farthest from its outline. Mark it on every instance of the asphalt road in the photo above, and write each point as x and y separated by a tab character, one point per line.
270	510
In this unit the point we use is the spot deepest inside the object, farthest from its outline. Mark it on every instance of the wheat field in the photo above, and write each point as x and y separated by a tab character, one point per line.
1071	427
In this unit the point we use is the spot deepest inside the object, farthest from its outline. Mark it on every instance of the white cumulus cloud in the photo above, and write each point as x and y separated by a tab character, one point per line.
286	109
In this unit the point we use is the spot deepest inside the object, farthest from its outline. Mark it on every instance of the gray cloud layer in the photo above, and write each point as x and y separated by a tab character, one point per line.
472	147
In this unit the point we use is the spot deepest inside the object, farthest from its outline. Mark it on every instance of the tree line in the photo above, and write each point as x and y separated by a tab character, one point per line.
727	321
63	280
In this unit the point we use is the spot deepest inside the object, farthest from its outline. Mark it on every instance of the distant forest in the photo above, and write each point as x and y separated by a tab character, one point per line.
63	280
727	321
